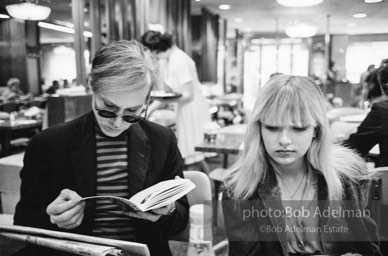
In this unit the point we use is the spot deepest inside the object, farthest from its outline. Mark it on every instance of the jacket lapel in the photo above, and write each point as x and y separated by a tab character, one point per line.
138	158
84	161
331	241
269	194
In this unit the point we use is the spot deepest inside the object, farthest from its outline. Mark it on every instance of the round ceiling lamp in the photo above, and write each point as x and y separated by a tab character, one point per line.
299	3
301	29
28	11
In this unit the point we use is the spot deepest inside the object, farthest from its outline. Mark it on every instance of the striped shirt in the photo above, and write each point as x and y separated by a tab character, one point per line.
112	179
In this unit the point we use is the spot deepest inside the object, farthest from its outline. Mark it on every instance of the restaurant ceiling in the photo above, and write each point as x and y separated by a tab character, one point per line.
259	17
267	16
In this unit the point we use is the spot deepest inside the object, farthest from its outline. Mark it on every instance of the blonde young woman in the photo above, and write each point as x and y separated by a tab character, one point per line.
289	173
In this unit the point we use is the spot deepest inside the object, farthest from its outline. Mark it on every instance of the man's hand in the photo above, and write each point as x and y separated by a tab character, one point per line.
155	214
66	211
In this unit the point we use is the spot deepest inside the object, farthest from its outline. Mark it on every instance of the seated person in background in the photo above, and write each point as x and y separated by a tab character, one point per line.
289	160
374	129
112	150
12	92
53	88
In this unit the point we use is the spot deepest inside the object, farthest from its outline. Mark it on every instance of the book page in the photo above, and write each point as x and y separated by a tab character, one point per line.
155	194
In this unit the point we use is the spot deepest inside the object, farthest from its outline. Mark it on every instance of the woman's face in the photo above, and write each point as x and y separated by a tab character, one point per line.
129	102
287	145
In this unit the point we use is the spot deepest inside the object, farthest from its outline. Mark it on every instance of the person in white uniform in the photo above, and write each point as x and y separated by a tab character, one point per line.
180	75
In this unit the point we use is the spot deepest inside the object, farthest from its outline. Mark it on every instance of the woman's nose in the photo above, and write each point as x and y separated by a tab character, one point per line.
285	138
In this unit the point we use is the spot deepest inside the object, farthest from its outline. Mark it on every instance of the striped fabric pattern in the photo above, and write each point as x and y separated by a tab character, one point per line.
112	179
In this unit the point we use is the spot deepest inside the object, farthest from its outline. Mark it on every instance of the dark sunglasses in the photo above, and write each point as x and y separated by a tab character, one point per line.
127	118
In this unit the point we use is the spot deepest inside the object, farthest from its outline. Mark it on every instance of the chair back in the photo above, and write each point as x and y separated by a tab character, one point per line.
378	203
382	193
201	194
10	167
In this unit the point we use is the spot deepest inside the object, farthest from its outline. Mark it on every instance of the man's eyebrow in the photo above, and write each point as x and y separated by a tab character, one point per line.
111	104
134	108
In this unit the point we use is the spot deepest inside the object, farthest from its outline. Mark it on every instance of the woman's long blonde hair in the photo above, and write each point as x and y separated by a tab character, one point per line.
285	100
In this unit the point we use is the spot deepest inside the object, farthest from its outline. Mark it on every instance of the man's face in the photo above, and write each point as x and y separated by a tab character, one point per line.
124	102
14	87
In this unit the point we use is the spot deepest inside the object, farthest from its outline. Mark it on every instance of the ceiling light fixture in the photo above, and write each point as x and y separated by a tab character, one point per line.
62	28
224	6
359	15
301	29
372	1
28	11
299	3
3	16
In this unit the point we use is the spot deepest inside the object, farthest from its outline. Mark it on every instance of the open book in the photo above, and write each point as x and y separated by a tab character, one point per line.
156	196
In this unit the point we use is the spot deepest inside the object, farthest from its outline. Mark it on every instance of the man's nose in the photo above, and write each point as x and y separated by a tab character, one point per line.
117	121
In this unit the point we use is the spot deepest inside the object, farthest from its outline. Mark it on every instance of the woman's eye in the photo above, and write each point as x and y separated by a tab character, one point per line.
271	128
299	129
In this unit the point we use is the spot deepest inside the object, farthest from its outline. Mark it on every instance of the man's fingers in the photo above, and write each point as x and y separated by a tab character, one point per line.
73	223
68	216
162	211
66	200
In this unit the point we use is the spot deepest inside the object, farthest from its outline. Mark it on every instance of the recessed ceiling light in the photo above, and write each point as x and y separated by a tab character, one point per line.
3	16
224	6
197	0
238	19
372	1
301	29
359	15
299	3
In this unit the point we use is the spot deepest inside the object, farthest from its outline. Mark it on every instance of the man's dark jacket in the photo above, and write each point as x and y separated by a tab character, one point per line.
64	157
373	130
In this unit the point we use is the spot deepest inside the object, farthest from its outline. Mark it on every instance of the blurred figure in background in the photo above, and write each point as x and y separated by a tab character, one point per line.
180	75
357	89
66	83
12	92
372	91
54	87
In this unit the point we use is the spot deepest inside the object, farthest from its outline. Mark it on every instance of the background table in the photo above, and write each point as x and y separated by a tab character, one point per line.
228	141
7	127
